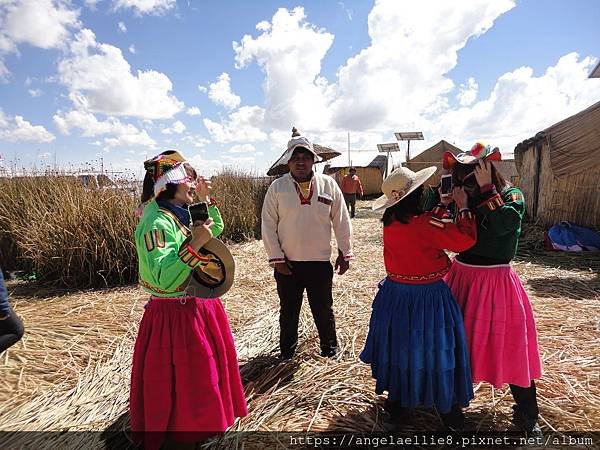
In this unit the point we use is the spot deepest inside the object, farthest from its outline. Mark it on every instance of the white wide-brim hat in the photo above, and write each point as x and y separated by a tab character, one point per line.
399	184
293	144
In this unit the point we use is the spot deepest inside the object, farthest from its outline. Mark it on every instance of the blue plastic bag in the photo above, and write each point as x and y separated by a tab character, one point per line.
570	237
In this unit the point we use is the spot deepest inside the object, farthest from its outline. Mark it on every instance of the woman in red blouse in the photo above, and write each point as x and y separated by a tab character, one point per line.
416	342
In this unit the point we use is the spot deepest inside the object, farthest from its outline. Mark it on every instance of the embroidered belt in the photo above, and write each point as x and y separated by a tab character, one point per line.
418	278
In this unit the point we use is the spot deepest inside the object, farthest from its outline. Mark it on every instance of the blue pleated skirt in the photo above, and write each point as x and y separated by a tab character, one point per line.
416	346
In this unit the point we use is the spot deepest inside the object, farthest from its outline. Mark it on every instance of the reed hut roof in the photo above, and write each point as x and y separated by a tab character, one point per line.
574	142
433	155
360	158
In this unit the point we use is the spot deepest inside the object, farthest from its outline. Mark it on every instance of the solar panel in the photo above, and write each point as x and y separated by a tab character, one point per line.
409	136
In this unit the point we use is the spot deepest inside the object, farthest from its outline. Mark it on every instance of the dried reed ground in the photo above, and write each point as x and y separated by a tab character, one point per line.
71	371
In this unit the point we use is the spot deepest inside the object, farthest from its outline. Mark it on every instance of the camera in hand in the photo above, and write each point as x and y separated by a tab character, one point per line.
446	188
199	212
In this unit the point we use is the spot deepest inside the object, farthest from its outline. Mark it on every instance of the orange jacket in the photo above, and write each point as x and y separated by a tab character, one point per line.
351	185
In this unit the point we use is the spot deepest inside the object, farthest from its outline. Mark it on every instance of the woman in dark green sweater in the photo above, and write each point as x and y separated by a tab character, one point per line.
498	318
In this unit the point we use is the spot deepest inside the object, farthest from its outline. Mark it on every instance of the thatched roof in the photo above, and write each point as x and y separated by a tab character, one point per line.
360	158
433	155
574	142
596	72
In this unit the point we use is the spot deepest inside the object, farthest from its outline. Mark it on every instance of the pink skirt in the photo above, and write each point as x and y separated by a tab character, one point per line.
185	379
499	324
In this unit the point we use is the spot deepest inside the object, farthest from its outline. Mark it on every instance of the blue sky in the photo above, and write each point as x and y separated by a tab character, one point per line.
224	82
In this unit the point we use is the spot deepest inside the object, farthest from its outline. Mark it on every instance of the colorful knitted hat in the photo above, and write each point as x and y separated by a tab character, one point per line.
166	168
477	152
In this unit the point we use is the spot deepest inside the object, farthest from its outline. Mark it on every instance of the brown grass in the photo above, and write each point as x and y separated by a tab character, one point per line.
308	393
72	236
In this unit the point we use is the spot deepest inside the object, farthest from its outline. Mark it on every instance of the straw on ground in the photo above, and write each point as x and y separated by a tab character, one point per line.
71	371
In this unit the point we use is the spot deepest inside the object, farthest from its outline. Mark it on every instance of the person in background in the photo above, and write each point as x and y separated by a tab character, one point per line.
351	187
499	322
416	342
11	327
299	211
185	379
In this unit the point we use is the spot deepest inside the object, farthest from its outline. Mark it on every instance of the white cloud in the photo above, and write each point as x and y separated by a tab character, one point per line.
132	49
221	94
177	128
20	130
242	148
89	124
202	89
3	119
242	162
400	77
35	92
263	26
122	27
122	134
399	81
290	51
91	3
40	23
521	104
45	155
193	111
468	92
205	167
100	80
154	7
140	139
245	124
196	140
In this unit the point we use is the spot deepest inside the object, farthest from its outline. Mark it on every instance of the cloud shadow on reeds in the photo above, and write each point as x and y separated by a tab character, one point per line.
374	419
583	261
116	436
261	373
572	289
41	290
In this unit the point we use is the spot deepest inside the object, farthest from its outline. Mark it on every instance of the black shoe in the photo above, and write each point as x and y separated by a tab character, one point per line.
396	411
454	420
286	355
329	352
527	424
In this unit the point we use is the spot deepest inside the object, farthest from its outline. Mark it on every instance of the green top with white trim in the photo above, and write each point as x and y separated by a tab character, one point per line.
164	266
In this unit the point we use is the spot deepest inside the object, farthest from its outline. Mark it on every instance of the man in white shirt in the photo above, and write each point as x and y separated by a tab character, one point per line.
299	211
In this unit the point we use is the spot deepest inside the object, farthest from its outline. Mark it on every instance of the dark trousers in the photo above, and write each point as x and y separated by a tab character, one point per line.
350	203
526	409
11	330
316	277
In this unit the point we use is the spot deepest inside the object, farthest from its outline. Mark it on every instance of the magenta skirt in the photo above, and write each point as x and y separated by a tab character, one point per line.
499	324
185	379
